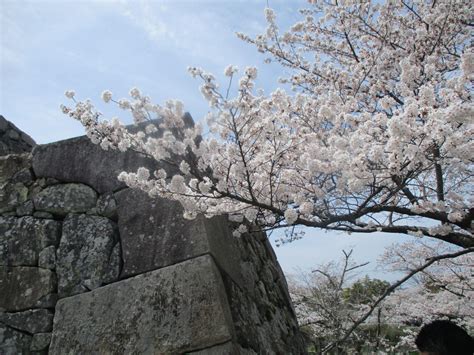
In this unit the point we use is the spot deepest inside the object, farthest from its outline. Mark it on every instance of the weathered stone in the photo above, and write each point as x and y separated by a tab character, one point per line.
228	348
4	150
12	134
48	301
78	160
25	209
154	234
27	139
3	124
41	214
262	312
12	139
12	164
112	273
65	198
22	239
47	258
13	342
31	321
107	206
40	341
9	214
85	254
24	176
172	310
12	195
25	287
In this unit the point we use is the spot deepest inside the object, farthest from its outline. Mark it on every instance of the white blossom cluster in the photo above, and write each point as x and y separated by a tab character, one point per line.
376	132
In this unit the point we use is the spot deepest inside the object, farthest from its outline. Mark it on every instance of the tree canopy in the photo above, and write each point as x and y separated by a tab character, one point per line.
372	133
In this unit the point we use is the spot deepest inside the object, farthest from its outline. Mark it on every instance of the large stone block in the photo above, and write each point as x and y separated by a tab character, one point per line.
78	160
22	239
65	198
87	256
262	312
176	309
155	234
26	287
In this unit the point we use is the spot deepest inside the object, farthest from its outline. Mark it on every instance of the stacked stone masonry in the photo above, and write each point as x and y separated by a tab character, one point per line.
89	266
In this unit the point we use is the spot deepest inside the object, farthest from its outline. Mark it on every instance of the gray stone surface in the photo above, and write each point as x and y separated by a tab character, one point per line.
40	214
209	293
22	239
154	234
107	206
12	139
25	209
25	287
65	198
13	342
31	321
12	164
228	348
3	124
47	258
12	195
262	312
40	341
86	257
78	160
172	310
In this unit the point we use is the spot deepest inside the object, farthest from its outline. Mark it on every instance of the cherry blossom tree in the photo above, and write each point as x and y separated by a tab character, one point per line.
374	316
372	130
327	305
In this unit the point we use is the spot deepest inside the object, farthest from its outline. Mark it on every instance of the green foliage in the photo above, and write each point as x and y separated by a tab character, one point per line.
364	291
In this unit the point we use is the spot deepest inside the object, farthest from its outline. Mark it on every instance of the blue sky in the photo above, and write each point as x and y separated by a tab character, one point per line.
50	46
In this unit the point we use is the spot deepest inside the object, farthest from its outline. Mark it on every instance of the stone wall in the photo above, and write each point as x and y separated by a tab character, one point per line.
12	139
89	266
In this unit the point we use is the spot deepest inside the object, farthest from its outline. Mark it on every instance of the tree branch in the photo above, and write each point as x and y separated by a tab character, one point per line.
392	288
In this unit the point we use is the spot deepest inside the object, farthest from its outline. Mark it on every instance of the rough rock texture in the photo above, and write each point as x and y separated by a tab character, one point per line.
12	139
24	238
263	302
131	275
31	321
85	257
87	163
157	225
40	341
65	198
13	342
25	287
47	258
228	348
12	195
12	165
161	312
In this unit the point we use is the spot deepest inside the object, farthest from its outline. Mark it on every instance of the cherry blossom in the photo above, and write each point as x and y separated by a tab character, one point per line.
371	130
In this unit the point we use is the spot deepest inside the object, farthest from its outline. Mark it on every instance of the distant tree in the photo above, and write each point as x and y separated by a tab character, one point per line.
443	291
327	306
371	315
364	290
